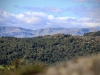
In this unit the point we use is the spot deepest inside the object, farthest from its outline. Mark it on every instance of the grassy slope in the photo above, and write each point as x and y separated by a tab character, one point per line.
79	66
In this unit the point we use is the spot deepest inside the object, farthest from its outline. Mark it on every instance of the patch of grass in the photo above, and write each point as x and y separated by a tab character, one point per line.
2	67
24	70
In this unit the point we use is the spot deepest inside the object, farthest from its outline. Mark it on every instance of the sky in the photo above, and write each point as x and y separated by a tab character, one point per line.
37	14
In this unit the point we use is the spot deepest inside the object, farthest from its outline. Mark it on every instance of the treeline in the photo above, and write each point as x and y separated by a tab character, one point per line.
47	49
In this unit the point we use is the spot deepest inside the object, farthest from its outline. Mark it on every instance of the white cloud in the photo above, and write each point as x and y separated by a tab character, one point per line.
38	20
50	17
90	24
84	19
31	17
82	10
20	16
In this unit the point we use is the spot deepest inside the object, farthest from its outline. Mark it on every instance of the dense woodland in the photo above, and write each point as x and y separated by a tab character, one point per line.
47	49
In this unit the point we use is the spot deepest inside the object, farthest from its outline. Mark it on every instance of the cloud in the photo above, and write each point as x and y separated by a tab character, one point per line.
96	1
80	0
80	10
83	11
44	9
31	17
37	20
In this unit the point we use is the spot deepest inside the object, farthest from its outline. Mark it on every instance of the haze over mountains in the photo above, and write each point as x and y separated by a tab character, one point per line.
21	32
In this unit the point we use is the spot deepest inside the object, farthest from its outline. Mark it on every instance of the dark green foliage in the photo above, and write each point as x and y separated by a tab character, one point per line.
47	49
3	61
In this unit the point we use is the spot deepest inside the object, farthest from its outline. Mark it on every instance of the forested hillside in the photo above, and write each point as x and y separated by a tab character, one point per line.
47	49
95	34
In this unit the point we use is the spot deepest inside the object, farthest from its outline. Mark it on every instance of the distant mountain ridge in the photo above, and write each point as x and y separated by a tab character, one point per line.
15	32
23	33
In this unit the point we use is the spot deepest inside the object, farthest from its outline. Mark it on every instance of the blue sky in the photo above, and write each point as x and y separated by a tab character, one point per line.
37	14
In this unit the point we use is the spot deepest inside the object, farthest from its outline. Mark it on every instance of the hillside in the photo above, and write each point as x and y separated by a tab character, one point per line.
23	33
79	66
95	34
47	49
15	32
